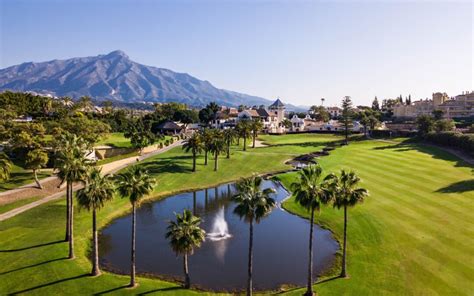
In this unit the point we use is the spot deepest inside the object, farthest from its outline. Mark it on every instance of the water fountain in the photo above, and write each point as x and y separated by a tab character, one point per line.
219	230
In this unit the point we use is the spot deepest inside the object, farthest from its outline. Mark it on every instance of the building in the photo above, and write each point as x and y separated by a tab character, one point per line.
334	112
457	107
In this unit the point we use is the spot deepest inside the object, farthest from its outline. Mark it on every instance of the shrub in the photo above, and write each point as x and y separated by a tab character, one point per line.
460	141
167	142
161	145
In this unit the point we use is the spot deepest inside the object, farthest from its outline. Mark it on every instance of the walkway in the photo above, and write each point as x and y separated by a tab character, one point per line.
108	168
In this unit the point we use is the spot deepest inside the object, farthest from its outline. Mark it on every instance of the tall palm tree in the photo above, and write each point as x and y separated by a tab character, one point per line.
229	136
195	145
244	131
134	183
346	194
98	191
311	192
216	145
253	204
206	138
5	166
185	235
72	167
255	126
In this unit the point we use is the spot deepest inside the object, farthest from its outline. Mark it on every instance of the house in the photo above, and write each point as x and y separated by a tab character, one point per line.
169	128
334	112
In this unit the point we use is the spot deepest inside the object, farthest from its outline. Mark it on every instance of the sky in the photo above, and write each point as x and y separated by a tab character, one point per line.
300	51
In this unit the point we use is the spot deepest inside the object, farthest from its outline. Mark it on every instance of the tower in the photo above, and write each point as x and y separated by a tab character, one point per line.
279	108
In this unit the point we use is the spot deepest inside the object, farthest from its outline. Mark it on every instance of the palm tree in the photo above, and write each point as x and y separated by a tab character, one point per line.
193	144
5	166
311	192
185	235
206	138
72	167
229	136
217	145
346	194
253	204
98	191
135	183
255	127
243	128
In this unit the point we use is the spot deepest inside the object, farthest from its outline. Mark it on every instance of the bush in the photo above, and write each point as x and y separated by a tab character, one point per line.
460	141
161	145
167	142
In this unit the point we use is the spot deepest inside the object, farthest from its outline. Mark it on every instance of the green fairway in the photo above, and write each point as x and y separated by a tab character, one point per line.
20	176
414	234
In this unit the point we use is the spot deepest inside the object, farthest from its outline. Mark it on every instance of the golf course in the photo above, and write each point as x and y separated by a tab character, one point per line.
413	235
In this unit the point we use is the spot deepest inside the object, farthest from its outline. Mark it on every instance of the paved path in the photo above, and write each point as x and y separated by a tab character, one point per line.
106	169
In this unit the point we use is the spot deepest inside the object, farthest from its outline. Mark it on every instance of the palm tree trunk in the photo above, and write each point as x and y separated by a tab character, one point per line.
35	172
95	267
343	272
68	193
228	149
309	288
194	161
205	156
187	280
245	143
71	225
132	268
254	137
216	156
249	280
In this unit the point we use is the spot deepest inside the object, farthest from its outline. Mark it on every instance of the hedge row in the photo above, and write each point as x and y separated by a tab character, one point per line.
460	141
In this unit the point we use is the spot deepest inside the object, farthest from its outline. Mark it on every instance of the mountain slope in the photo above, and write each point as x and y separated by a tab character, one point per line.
115	76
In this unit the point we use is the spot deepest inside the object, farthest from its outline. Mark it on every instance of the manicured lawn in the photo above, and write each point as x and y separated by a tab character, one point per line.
299	138
414	235
20	176
117	157
117	140
8	207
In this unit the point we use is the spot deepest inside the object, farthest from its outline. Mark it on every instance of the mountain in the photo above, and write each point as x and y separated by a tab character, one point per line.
115	76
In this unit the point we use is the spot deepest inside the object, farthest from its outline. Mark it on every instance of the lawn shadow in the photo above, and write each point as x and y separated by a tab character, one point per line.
50	284
32	247
458	187
33	265
160	290
176	164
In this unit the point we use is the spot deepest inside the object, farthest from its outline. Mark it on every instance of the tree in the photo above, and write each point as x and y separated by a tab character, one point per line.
320	113
216	145
35	160
365	121
375	104
253	204
195	145
346	193
243	128
206	138
444	125
255	126
186	116
373	122
72	167
229	136
438	114
311	192
425	124
140	135
134	183
185	235
5	167
99	189
85	104
347	116
286	123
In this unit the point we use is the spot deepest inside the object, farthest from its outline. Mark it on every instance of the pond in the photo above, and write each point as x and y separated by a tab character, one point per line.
280	243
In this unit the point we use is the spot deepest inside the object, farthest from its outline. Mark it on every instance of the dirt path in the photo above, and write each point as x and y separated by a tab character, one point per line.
51	192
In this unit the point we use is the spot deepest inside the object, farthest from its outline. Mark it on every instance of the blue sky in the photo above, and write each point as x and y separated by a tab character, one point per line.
297	50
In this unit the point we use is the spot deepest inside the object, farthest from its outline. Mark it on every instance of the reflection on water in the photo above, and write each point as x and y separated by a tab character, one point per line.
280	243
